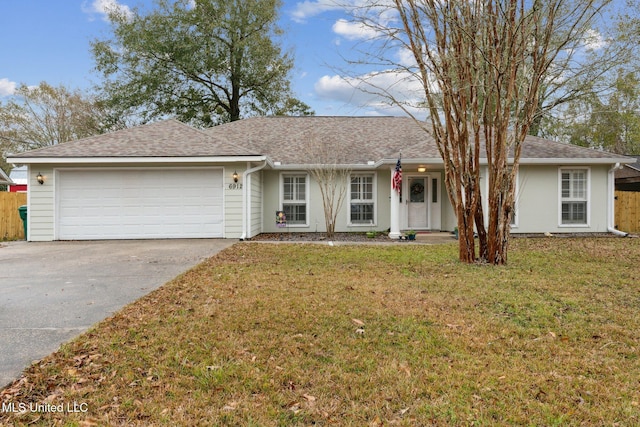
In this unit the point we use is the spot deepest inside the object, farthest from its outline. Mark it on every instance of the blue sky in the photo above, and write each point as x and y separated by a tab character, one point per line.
48	40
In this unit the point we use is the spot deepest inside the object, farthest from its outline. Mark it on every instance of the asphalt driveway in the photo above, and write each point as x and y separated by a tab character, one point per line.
51	292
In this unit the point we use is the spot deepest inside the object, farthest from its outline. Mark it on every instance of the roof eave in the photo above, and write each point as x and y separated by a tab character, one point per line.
131	160
569	160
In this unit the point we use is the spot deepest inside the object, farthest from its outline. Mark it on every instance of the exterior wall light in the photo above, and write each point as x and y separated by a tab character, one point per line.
422	169
235	176
40	178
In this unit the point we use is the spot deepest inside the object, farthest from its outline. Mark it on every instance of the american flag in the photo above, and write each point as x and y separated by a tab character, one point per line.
396	178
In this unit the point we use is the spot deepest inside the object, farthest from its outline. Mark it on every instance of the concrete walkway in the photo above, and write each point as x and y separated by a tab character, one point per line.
51	292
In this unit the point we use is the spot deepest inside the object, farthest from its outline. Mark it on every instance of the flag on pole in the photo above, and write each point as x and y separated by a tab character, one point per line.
396	179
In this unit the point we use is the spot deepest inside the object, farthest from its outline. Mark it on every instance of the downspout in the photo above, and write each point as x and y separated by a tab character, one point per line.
246	206
610	202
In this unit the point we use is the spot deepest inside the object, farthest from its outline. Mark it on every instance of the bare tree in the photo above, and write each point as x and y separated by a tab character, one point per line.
44	115
481	65
331	174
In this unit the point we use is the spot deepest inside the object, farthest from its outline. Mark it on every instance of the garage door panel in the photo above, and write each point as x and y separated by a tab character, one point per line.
134	204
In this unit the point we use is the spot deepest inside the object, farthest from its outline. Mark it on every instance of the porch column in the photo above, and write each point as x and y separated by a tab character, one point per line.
394	232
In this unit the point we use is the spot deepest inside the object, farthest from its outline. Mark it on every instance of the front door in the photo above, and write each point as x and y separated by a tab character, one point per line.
417	202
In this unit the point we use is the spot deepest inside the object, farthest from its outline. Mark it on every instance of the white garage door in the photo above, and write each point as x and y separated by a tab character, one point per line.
139	204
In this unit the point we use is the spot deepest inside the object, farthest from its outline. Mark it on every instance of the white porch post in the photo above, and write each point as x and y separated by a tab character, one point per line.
394	232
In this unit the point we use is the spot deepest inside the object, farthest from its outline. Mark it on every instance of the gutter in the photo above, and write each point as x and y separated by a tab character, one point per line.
246	206
610	202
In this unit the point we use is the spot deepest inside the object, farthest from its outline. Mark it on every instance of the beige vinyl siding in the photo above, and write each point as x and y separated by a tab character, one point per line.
315	210
233	201
538	202
41	201
256	204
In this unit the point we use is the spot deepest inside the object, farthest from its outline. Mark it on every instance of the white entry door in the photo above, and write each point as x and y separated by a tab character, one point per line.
417	203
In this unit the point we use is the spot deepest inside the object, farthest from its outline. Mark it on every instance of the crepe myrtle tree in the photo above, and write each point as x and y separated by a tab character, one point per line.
480	65
331	174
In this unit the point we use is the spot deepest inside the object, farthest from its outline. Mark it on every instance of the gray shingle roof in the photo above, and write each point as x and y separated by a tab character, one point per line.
365	138
169	138
359	139
285	140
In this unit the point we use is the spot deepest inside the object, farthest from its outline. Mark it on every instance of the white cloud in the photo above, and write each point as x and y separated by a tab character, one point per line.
308	9
354	30
104	7
7	87
374	91
594	40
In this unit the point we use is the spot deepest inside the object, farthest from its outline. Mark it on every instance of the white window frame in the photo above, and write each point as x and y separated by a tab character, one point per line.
299	202
571	198
374	199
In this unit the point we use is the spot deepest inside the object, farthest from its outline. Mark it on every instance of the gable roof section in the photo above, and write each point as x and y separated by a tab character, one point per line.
169	138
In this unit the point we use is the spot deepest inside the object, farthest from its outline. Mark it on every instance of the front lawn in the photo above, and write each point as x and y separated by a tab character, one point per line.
300	334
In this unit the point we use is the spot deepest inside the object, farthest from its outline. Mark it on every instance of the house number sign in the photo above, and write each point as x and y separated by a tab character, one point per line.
235	186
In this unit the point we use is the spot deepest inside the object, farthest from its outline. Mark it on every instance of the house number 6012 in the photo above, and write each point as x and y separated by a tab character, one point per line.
235	186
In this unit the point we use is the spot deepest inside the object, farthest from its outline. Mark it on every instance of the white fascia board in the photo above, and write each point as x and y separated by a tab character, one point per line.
570	161
359	166
412	161
302	166
129	160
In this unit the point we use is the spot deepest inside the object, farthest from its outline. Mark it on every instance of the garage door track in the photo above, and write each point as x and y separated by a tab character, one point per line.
51	292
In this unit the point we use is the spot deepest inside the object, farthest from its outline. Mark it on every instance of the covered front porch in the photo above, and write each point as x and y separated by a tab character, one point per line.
420	202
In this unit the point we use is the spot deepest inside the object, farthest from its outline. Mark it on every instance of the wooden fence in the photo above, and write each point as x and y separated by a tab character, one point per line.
628	211
10	223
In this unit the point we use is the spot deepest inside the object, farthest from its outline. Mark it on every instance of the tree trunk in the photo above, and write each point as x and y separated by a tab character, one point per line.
466	241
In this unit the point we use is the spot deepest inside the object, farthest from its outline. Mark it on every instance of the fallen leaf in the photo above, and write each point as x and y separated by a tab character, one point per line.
309	397
358	322
376	422
231	406
405	368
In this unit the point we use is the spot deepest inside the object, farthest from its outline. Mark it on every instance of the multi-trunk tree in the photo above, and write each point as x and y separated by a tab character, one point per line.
481	65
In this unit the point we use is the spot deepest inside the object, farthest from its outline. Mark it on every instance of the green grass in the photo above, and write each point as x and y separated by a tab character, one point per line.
288	334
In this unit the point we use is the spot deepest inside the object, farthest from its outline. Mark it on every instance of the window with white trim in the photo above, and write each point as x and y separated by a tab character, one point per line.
294	198
362	199
574	196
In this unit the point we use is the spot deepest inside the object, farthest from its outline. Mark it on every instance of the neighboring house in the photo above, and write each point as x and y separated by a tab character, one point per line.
168	180
4	179
19	177
628	176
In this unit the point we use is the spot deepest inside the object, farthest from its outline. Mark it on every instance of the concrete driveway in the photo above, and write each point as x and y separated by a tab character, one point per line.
51	292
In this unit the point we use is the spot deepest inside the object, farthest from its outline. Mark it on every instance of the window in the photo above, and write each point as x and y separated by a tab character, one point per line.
294	199
362	199
574	196
434	190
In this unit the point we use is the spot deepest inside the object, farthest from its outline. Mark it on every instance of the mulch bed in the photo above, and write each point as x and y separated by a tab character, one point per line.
320	237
